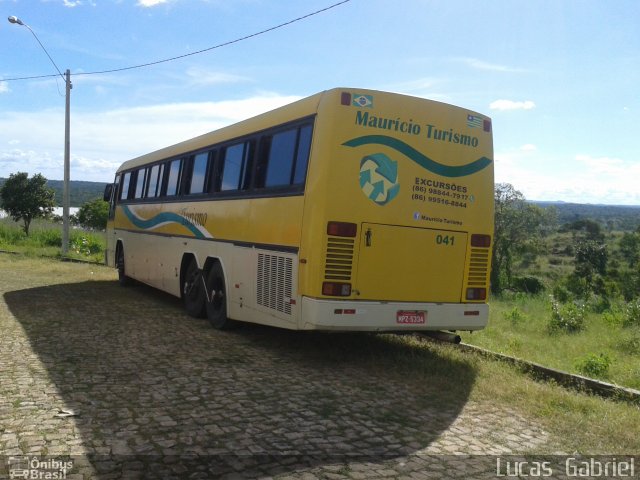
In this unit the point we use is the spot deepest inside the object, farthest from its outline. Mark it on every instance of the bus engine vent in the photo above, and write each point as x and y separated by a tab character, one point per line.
478	268
339	258
274	287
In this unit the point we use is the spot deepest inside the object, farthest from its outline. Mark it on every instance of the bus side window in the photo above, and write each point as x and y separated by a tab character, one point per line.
141	174
262	160
114	197
283	158
302	155
126	181
232	167
154	177
281	155
199	173
247	165
215	165
173	181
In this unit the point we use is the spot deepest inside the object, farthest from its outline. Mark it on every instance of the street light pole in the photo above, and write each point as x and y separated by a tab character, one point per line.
67	140
67	166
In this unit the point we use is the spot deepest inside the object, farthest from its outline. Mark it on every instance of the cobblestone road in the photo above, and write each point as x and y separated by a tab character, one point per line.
126	383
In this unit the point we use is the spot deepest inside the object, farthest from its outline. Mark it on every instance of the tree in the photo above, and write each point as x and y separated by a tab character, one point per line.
630	248
518	230
94	214
26	198
586	229
591	258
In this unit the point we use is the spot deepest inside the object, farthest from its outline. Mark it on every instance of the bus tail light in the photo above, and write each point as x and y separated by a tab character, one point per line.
476	293
336	289
342	229
478	240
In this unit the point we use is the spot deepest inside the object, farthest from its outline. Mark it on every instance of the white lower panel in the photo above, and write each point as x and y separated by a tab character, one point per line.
383	316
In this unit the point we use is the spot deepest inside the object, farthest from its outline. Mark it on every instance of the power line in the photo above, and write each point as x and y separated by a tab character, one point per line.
220	45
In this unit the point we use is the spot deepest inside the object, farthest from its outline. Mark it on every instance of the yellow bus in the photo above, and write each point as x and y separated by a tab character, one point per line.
351	209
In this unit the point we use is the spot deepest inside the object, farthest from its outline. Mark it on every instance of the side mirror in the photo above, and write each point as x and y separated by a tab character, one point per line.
108	190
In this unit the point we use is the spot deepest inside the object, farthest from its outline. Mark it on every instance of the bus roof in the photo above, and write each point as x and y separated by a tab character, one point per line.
293	111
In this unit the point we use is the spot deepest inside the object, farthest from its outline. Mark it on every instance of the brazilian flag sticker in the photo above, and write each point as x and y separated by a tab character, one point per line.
363	100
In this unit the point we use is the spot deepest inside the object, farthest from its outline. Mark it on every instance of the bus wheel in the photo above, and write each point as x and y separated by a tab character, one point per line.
217	304
123	280
192	291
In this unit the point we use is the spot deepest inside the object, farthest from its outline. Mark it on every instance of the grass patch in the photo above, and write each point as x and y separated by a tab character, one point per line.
585	423
45	240
520	326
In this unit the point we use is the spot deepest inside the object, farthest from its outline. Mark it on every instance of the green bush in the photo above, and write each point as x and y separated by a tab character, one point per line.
10	235
632	314
85	244
561	294
594	365
529	284
614	317
569	317
577	285
48	238
515	316
630	343
599	304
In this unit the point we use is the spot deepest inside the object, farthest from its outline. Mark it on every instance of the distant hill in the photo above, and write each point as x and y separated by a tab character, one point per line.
612	217
80	192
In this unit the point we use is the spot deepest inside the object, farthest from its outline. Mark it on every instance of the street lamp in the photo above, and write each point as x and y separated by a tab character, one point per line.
67	121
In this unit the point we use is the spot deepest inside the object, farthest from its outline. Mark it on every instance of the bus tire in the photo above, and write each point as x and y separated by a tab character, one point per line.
193	295
123	279
217	304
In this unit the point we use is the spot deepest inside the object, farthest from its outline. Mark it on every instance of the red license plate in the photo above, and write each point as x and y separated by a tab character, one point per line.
411	318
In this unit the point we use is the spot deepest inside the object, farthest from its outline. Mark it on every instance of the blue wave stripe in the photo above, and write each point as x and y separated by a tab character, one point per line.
419	158
164	217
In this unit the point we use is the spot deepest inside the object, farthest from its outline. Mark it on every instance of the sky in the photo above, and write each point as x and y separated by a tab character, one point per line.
559	78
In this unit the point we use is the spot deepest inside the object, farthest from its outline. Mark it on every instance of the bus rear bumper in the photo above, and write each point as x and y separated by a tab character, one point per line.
391	316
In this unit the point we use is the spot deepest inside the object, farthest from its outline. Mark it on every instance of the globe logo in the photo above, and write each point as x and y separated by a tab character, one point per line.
379	178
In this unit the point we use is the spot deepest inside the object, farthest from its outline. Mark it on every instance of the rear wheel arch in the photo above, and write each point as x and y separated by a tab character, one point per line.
218	294
191	286
120	263
187	258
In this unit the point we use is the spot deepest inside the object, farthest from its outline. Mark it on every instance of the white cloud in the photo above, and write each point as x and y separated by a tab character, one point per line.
150	3
580	179
75	3
512	105
529	147
101	141
4	87
493	67
200	77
